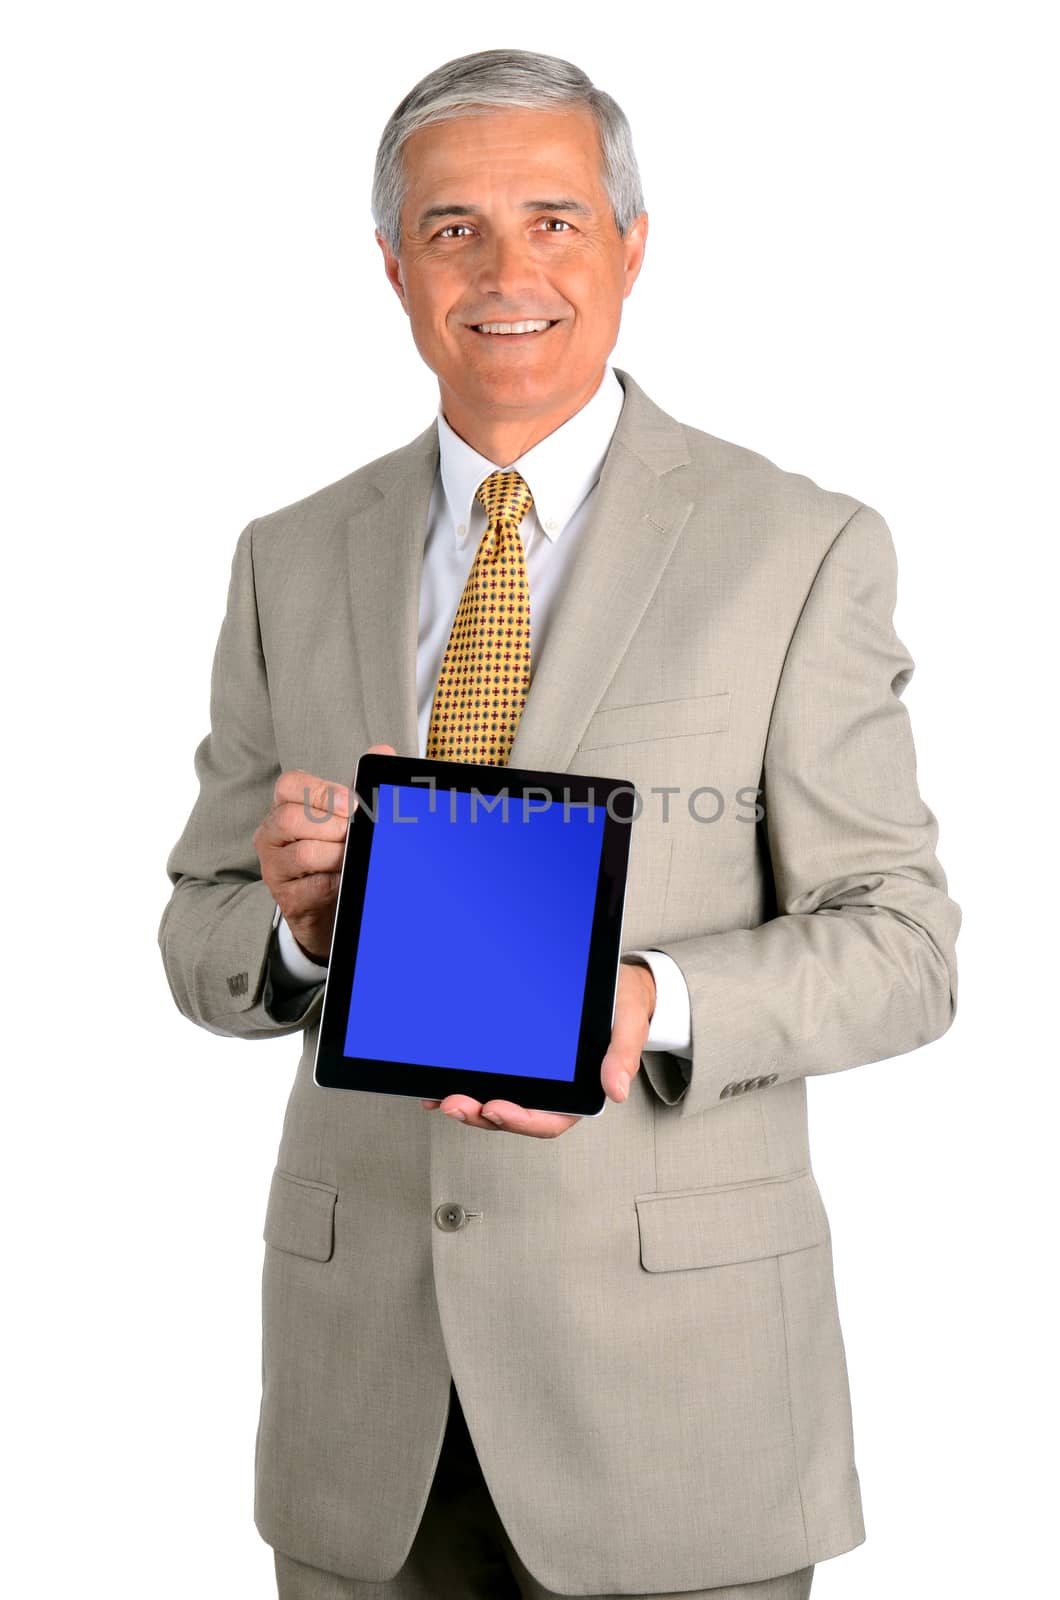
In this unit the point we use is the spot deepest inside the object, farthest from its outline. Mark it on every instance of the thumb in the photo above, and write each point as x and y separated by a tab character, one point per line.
373	750
621	1062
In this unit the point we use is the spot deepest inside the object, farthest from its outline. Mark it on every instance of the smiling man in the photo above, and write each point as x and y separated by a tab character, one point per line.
512	270
507	1352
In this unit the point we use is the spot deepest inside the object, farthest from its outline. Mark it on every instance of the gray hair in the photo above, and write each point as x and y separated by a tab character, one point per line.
471	85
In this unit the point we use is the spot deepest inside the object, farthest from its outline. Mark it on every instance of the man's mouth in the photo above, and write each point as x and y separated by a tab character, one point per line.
513	330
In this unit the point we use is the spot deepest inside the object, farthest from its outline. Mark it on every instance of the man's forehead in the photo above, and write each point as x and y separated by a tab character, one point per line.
457	180
558	152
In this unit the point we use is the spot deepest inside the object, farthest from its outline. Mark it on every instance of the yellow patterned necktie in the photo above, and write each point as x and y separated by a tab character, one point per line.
485	672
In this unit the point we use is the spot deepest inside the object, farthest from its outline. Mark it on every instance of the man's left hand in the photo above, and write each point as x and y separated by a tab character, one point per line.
634	1004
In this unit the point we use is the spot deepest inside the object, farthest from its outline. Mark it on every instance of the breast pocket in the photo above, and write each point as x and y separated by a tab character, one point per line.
657	719
717	1227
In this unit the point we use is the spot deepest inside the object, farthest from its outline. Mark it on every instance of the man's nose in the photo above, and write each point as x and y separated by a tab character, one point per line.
505	266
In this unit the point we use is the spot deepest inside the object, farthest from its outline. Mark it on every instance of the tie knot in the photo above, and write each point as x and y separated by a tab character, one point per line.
506	498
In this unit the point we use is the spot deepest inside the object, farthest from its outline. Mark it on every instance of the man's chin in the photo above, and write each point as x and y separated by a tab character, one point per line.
522	385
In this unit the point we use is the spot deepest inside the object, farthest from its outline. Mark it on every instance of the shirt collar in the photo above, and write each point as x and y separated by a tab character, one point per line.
559	470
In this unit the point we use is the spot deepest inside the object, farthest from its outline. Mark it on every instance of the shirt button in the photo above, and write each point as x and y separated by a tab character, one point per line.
462	529
450	1216
550	525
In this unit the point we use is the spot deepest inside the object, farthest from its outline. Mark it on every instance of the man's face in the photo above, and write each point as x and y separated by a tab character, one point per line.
506	219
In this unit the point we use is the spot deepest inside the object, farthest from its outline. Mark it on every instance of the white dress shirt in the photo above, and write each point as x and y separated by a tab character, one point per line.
561	472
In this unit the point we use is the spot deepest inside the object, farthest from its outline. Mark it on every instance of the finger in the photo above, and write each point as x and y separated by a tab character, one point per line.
288	822
511	1118
621	1062
461	1108
309	792
373	749
620	1066
303	857
297	821
304	895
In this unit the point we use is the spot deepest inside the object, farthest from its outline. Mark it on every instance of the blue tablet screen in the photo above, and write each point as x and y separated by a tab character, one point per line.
474	938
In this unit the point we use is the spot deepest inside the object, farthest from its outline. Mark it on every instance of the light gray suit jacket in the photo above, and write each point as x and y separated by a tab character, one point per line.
640	1315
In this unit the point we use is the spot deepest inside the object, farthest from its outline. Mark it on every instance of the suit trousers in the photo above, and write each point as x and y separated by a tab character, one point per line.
462	1552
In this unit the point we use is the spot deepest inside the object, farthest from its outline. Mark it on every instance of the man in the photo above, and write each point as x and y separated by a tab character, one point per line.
636	1312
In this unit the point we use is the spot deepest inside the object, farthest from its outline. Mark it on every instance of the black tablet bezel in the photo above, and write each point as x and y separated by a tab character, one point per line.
583	1095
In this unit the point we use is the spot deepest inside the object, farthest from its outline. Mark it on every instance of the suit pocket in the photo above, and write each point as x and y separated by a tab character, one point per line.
300	1217
657	719
718	1227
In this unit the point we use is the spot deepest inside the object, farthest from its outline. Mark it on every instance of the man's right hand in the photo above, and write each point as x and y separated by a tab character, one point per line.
301	854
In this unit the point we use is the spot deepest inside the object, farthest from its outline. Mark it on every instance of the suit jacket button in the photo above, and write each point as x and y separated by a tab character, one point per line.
773	1078
741	1087
727	1091
450	1216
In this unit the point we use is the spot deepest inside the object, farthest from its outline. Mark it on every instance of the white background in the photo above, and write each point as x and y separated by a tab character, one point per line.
850	270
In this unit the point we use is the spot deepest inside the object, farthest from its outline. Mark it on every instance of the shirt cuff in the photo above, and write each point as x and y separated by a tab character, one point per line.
289	966
671	1023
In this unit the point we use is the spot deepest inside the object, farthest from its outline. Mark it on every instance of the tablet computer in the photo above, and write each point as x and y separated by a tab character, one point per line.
477	934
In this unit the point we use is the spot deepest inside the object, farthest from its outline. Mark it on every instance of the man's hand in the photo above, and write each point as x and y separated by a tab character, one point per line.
301	856
634	1004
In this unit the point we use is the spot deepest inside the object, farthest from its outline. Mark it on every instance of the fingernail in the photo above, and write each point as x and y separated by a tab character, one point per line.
492	1116
457	1116
623	1085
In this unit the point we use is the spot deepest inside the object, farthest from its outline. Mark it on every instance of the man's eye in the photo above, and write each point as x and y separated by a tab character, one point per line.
451	228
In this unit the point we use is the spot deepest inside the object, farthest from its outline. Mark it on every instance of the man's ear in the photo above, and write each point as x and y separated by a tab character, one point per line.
392	268
633	245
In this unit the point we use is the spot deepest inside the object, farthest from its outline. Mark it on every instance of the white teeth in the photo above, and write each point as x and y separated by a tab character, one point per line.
512	327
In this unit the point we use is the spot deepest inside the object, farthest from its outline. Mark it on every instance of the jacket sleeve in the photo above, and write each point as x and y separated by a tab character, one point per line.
859	963
216	930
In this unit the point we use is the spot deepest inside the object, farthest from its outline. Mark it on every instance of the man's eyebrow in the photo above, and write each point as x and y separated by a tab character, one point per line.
451	209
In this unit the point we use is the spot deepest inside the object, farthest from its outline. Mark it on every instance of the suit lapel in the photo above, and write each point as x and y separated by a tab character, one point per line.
637	516
386	536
